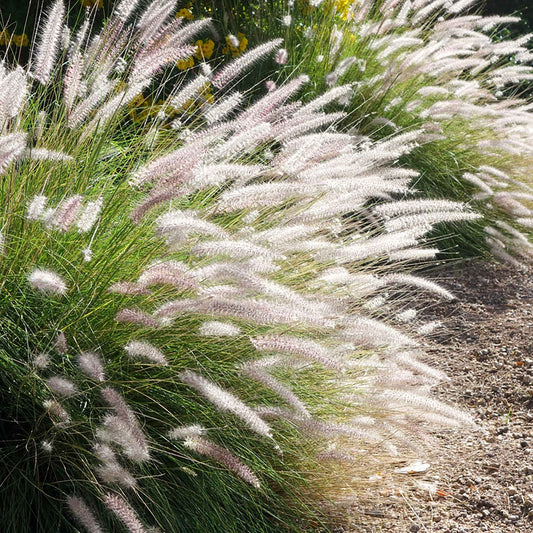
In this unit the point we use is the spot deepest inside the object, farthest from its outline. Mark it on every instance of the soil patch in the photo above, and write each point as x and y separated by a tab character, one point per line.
483	481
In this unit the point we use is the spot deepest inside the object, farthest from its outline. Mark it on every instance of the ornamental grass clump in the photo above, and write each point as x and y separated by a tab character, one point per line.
201	311
433	65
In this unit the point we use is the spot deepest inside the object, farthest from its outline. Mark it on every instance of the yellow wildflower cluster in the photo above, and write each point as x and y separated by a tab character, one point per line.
6	39
235	50
92	3
340	7
142	107
343	7
185	13
204	49
20	40
184	64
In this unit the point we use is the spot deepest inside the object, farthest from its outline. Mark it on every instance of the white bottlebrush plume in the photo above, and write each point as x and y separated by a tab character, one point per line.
110	470
59	414
168	272
258	371
527	222
48	47
83	514
424	403
41	361
313	426
179	224
47	446
135	316
207	175
218	329
89	215
73	81
61	386
100	92
222	108
128	287
226	401
416	281
153	19
120	507
124	9
214	451
60	343
119	432
124	425
66	213
145	350
47	281
323	100
14	90
252	310
236	249
408	207
186	432
281	56
414	254
411	361
296	346
407	315
155	58
371	332
12	147
36	207
429	327
91	365
238	67
410	221
189	92
378	246
459	6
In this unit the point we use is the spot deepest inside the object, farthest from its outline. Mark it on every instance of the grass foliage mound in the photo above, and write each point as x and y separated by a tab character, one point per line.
206	311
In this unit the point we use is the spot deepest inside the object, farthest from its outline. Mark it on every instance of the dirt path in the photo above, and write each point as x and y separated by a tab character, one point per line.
481	482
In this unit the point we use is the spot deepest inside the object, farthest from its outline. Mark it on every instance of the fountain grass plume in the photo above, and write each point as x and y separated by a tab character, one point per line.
122	326
439	66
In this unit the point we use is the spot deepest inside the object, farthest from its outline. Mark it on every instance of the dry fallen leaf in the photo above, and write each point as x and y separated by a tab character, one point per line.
414	468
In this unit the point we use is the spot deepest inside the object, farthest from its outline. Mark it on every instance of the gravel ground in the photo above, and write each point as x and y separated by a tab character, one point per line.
482	481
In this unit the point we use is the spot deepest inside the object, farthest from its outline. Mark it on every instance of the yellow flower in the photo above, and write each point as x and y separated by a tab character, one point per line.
204	50
20	40
184	64
230	46
5	37
185	14
343	7
92	3
243	41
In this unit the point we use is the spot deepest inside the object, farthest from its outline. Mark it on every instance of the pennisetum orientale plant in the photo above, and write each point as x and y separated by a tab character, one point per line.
430	64
199	313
